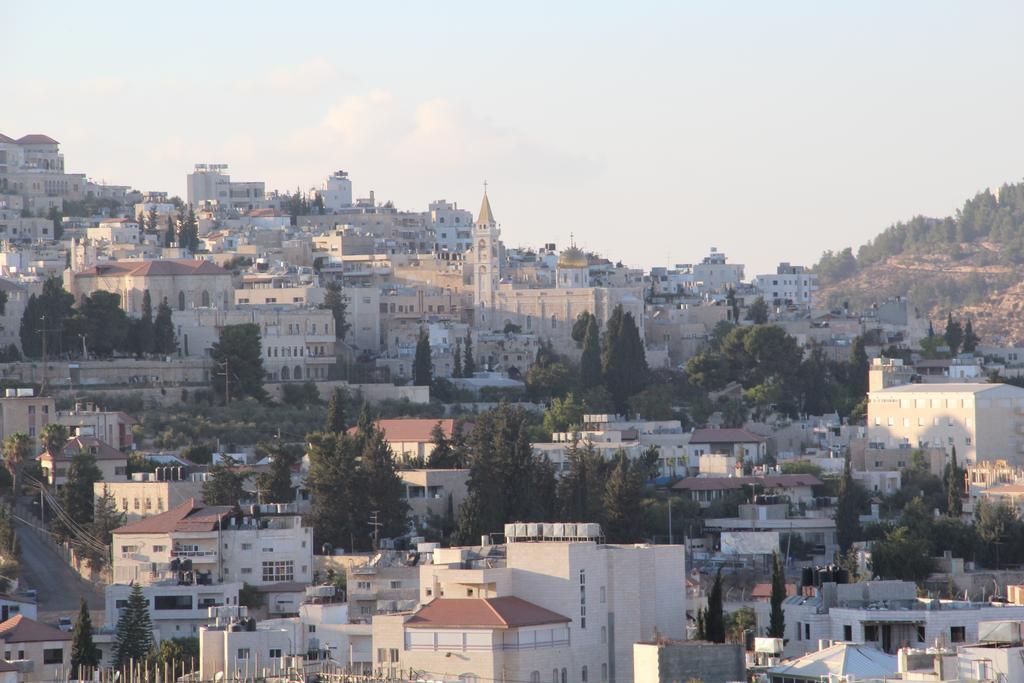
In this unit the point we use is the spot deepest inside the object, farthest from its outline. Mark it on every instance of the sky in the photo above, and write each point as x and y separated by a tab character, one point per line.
650	131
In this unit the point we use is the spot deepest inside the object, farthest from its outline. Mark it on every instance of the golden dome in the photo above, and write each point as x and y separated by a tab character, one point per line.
573	257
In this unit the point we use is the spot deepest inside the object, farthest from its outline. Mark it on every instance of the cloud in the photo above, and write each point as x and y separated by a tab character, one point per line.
301	78
355	121
103	86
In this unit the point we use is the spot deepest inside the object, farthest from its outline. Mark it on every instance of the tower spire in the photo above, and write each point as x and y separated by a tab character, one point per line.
486	216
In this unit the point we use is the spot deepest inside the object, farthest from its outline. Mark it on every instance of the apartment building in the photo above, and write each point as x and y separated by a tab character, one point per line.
22	411
984	422
388	583
211	184
150	493
788	285
565	611
112	463
433	492
452	226
44	650
87	419
178	604
739	443
267	545
885	614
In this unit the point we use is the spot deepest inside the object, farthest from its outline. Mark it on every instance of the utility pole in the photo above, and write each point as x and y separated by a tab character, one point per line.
227	382
375	523
670	519
42	382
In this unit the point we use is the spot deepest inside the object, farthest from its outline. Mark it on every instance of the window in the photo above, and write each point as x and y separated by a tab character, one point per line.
243	653
54	655
279	570
847	632
604	635
246	570
312	628
395	585
807	631
363	585
957	634
172	602
380	655
247	546
583	674
159	548
604	672
275	653
871	633
394	654
534	677
920	633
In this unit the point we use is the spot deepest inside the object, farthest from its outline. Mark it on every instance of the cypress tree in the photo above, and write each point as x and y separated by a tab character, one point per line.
335	423
146	338
847	516
954	487
623	361
701	633
170	233
134	637
777	619
84	653
970	342
954	335
590	361
714	620
457	360
468	361
422	365
164	341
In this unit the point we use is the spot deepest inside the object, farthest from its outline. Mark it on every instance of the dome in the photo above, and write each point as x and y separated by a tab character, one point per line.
573	257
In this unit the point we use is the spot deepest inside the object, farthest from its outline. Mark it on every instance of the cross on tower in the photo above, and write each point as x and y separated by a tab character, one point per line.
485	187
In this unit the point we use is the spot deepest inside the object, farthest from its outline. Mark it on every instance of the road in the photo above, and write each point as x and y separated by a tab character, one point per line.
59	586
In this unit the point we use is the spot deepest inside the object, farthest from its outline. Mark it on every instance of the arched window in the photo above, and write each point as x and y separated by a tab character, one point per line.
206	299
583	674
554	676
298	372
181	301
554	322
565	675
285	373
534	677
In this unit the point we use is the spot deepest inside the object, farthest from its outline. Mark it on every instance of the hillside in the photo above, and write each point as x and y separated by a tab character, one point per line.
971	264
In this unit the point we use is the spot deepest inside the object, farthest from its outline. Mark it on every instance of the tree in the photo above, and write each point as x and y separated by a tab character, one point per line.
507	480
714	619
188	232
53	437
133	639
151	220
733	304
954	335
623	502
901	555
457	360
954	487
582	489
564	414
335	423
46	315
58	223
103	322
847	514
757	312
336	487
174	654
238	359
275	485
76	497
777	619
165	342
702	632
590	361
17	451
85	656
106	518
443	455
579	327
549	376
422	365
224	483
970	341
623	360
334	301
859	367
145	331
385	492
170	233
468	361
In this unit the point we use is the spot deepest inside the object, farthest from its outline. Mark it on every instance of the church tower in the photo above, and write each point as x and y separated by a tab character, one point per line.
486	265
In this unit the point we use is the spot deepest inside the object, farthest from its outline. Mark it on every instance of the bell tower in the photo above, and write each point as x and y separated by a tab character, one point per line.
486	266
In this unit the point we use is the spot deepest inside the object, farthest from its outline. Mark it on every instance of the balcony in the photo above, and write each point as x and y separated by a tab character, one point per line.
195	555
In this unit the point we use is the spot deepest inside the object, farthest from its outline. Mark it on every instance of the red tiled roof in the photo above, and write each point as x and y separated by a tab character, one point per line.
411	429
764	590
21	629
770	481
498	613
189	516
100	449
37	139
724	436
263	213
155	267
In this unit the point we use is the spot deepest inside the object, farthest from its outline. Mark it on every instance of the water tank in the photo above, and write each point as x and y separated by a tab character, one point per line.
570	531
548	529
520	530
533	530
510	531
558	531
10	393
589	530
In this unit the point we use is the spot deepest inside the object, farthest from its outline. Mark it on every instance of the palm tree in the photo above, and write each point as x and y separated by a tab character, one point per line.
17	450
53	437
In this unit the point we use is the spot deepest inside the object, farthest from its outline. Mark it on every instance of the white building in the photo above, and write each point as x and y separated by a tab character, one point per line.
787	285
210	183
536	610
984	422
266	546
452	226
178	606
715	275
337	191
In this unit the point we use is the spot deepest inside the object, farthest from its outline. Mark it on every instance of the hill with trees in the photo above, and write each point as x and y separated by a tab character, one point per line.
971	263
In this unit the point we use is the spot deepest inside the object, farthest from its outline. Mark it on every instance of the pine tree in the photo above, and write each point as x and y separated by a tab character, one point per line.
384	488
188	232
106	518
623	502
224	483
442	456
275	486
847	516
581	490
152	220
85	656
777	619
133	640
336	486
714	619
335	423
468	361
76	497
457	360
422	365
954	487
590	361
